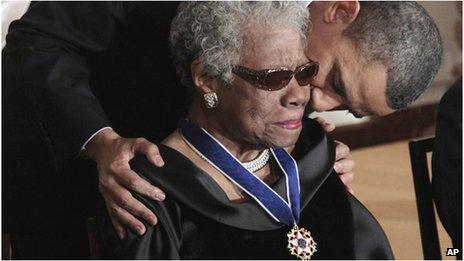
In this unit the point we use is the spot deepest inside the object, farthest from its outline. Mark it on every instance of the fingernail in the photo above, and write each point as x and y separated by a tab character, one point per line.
152	221
159	160
160	196
140	230
337	167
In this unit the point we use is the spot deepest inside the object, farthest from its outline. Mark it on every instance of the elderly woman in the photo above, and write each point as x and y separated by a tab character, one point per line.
235	190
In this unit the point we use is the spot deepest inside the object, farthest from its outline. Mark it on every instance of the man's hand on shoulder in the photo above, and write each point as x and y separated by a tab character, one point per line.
112	154
343	165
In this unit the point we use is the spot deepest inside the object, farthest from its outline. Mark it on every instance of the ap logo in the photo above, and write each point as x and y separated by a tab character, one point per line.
452	251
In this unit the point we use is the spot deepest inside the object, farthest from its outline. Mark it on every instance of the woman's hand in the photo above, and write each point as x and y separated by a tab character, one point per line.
343	165
112	154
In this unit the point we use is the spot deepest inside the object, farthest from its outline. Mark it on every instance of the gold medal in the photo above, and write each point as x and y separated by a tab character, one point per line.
300	243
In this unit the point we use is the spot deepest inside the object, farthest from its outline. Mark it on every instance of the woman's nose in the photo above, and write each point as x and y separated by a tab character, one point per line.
295	95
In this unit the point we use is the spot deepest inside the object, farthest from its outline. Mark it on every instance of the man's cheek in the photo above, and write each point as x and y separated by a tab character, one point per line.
318	104
321	101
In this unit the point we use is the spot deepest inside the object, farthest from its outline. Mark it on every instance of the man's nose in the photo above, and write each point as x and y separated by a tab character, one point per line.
295	95
321	101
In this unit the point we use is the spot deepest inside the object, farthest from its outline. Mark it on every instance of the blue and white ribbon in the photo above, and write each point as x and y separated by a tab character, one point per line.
284	211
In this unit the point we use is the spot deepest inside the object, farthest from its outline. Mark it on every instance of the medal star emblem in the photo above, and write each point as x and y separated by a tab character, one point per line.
301	244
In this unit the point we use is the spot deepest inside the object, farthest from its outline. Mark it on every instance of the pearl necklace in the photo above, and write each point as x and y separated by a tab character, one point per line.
259	162
252	166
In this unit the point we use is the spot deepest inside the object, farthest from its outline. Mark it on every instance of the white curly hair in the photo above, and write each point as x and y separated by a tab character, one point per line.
213	32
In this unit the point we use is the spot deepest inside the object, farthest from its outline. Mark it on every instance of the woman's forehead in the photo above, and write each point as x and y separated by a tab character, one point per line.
273	48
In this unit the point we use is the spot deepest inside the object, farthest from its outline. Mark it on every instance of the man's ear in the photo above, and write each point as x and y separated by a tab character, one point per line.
203	83
344	12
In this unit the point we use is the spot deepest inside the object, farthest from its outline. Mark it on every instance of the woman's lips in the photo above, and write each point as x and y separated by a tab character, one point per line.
290	124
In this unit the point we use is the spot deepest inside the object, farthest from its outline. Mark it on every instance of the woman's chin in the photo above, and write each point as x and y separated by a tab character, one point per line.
285	140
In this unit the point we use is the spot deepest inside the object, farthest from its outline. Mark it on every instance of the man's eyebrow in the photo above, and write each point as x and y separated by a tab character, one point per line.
337	82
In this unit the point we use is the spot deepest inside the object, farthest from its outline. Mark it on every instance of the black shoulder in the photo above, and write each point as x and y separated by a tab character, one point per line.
370	241
315	153
161	241
312	135
450	107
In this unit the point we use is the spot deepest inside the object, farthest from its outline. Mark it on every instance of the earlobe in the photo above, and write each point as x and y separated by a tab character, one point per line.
204	85
201	80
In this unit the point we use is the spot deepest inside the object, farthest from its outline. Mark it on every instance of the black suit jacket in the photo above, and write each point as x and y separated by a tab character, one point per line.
447	162
69	69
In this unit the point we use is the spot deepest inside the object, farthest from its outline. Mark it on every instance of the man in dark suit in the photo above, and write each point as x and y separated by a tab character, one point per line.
73	69
447	163
70	69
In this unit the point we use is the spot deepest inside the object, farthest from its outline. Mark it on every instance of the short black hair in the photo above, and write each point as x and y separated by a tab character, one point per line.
403	37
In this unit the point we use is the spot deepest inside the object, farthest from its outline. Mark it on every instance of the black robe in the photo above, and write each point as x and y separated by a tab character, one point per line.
198	221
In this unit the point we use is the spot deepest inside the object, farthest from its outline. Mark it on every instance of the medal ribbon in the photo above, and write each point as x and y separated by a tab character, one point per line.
287	212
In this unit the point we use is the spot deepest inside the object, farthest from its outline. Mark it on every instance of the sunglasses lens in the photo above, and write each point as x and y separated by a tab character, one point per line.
277	80
306	74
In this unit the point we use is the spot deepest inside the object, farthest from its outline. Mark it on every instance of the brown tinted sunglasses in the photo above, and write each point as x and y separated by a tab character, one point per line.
278	78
